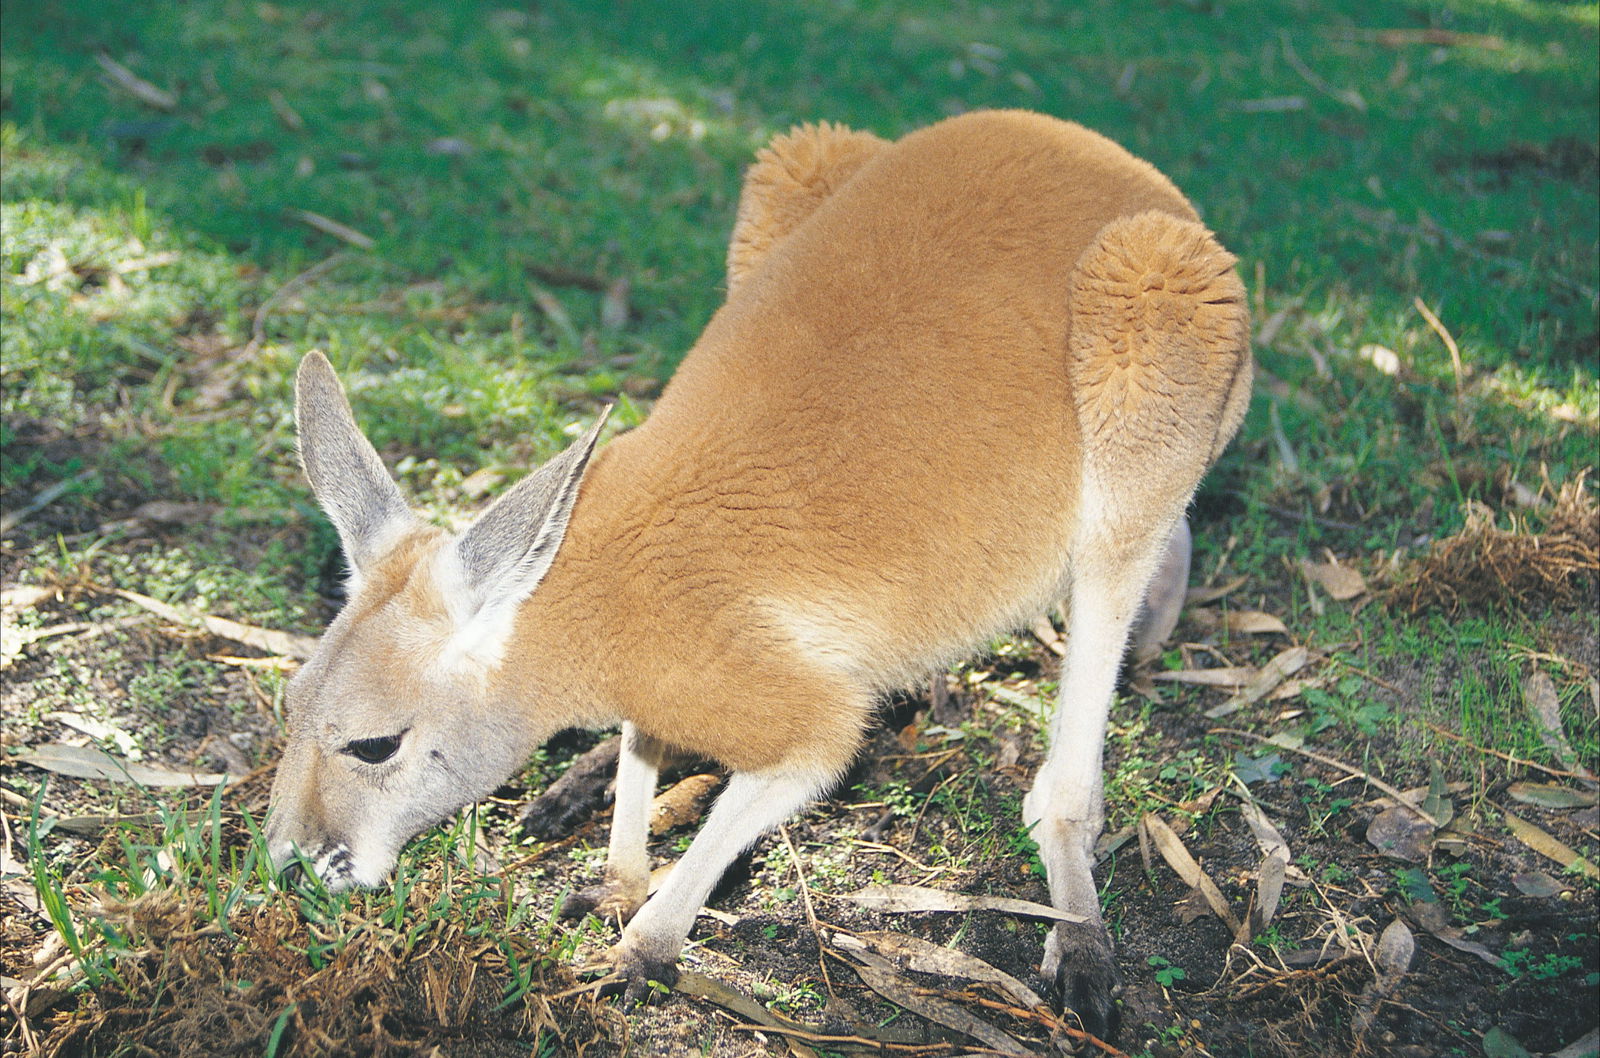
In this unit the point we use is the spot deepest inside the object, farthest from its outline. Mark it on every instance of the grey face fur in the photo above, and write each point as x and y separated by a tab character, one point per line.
390	729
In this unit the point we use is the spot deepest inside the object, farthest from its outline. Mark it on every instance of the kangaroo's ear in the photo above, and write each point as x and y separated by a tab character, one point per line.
348	478
503	555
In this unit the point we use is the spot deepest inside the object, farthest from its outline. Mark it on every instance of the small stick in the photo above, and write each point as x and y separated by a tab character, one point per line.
1332	763
860	1041
136	86
1452	736
1444	336
1055	1024
811	914
258	326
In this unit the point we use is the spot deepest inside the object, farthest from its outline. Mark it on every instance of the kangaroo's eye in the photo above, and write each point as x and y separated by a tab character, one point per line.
373	750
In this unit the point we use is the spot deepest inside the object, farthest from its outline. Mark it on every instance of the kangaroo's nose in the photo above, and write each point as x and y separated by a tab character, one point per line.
293	873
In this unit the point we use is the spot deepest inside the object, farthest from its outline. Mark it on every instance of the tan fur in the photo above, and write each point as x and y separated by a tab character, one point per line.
956	378
880	432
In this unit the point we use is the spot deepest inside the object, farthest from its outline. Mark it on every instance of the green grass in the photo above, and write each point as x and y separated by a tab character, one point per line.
158	287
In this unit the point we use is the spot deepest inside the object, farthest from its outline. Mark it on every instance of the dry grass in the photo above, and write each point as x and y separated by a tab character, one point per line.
190	990
1484	565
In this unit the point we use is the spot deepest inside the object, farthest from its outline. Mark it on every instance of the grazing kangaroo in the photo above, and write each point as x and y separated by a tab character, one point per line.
957	378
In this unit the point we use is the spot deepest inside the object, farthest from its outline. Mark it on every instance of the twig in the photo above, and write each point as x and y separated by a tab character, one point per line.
811	914
859	1041
1369	677
1348	96
1557	772
1049	1021
1333	763
136	86
1444	336
258	326
45	498
1300	516
329	226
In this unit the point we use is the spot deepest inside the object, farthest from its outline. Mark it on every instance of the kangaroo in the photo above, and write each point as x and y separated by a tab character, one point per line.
957	378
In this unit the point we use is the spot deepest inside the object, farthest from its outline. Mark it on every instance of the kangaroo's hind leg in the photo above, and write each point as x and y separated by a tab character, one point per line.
1159	357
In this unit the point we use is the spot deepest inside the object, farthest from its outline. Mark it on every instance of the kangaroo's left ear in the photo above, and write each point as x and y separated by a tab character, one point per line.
504	555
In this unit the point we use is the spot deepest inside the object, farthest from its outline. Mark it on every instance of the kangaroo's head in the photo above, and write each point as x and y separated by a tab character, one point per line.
391	724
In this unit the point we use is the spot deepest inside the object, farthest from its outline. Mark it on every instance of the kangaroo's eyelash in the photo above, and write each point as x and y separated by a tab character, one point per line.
373	750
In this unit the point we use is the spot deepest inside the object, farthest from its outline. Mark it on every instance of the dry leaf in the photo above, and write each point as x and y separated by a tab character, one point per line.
329	226
1536	884
904	899
682	803
1269	888
914	953
1401	833
878	974
24	596
1587	1046
1201	596
1283	665
1432	916
171	512
1229	677
86	762
614	310
1396	947
1253	623
1340	582
726	996
1551	795
1545	844
136	86
1177	856
273	642
1046	633
1539	694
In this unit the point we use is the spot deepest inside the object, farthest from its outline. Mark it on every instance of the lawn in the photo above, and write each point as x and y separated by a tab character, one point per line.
495	220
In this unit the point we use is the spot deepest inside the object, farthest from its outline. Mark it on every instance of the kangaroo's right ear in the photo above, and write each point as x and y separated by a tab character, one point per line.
348	478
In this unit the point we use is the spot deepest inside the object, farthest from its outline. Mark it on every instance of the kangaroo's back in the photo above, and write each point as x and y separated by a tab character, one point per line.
872	458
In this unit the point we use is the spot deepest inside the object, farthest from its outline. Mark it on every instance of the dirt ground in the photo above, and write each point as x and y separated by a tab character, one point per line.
929	804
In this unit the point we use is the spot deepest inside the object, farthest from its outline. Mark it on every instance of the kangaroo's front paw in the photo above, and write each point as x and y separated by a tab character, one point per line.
1080	968
610	900
642	970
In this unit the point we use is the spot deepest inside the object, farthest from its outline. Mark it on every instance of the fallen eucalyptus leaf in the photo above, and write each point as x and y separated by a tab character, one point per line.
1437	804
905	899
86	762
1401	833
1254	623
1396	947
914	953
1551	795
1237	676
1269	888
1539	695
879	975
1283	665
1201	596
1542	842
1178	858
1340	582
1536	884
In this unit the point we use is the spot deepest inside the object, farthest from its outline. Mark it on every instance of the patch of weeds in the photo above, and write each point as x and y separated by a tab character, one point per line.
1344	704
1166	974
1320	814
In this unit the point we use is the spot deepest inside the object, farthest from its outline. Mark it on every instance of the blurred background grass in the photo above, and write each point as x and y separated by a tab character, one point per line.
1356	158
